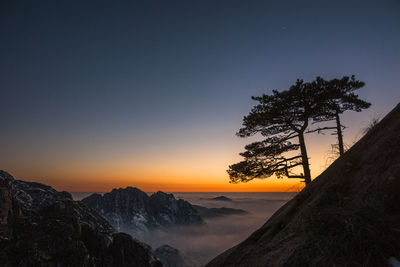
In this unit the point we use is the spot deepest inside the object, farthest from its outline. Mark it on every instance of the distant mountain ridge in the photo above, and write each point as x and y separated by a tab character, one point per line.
221	198
40	226
132	209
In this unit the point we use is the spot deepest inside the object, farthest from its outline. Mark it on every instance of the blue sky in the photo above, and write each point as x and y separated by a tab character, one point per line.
133	81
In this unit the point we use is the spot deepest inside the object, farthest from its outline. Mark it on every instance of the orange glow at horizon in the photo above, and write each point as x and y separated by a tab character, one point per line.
151	181
106	185
182	165
191	177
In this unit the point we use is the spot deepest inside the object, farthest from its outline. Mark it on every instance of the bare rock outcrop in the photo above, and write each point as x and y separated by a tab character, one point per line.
130	209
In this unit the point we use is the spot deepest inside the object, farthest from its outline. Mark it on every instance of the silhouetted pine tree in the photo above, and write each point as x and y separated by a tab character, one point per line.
281	118
335	97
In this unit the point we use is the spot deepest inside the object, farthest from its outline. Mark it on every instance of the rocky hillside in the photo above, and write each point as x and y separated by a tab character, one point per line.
42	227
348	216
170	257
131	209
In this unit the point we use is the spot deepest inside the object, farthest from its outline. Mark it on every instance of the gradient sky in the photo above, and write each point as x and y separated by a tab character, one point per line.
103	94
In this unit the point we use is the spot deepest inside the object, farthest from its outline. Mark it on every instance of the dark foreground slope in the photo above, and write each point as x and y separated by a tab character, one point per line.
42	227
348	216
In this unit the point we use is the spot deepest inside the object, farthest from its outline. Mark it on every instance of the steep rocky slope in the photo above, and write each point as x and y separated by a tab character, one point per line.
170	257
131	209
42	227
348	216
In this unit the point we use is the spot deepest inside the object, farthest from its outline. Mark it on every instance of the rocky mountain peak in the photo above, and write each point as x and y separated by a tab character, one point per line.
162	196
40	226
131	209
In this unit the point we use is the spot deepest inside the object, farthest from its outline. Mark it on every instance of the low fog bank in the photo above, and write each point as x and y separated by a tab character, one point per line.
200	244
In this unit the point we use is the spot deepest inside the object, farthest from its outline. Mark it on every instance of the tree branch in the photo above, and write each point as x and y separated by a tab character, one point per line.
321	129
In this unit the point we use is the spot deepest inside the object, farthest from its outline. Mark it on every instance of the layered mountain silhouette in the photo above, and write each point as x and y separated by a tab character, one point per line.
131	209
40	226
348	216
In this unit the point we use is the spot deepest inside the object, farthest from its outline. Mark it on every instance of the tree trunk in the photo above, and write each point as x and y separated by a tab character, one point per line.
339	134
304	159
